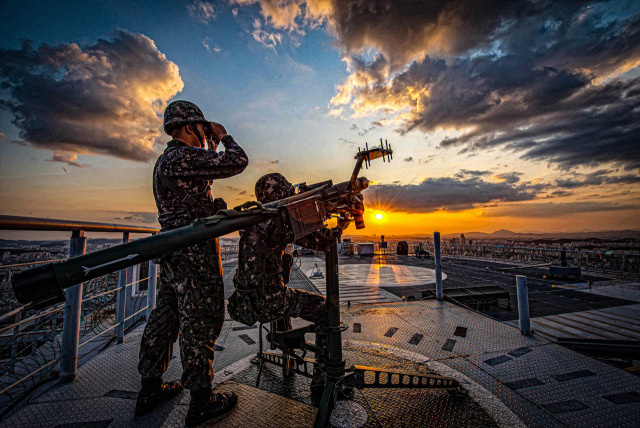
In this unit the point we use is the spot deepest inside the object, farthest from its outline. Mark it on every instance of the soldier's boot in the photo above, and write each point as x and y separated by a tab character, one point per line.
154	392
206	405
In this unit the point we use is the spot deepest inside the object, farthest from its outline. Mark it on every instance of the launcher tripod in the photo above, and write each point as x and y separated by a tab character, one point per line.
339	380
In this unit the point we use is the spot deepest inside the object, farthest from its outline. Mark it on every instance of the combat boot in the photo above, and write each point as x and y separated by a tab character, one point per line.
154	392
206	405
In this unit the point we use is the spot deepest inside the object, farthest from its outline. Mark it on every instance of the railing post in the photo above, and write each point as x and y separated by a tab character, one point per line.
523	305
14	345
72	312
436	250
36	325
151	287
121	305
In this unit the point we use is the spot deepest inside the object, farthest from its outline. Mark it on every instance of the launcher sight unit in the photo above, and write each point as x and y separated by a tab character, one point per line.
300	215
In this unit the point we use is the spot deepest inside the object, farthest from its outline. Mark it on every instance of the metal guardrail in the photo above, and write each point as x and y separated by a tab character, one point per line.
8	222
37	343
604	262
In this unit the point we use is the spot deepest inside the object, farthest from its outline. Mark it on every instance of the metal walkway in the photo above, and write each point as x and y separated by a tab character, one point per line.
512	380
517	380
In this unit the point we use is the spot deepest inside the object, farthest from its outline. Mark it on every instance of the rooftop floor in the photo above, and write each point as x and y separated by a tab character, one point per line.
511	380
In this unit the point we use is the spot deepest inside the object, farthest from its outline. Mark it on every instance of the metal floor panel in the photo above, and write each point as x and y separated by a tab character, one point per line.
617	323
544	384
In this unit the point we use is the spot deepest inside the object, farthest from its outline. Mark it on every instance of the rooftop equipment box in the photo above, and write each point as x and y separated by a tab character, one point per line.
366	249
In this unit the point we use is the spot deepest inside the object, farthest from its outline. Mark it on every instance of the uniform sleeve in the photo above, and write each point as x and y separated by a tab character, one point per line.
201	164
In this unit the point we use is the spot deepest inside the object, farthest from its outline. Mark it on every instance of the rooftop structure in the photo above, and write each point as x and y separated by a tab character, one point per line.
579	368
510	379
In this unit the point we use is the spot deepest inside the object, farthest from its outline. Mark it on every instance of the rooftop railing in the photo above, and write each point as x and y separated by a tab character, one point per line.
618	264
37	346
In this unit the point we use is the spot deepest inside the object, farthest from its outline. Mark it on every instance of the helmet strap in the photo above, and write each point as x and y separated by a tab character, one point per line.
199	135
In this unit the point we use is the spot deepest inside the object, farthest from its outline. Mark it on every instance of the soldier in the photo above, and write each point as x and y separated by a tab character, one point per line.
190	302
261	293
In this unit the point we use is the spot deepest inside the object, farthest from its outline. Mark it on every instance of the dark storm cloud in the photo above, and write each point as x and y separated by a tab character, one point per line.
544	79
447	193
469	172
405	29
598	178
508	177
559	193
90	99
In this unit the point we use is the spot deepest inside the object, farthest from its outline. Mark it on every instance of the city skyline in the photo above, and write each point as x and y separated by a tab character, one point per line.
520	115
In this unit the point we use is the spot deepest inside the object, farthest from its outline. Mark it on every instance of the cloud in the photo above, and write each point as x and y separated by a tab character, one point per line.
206	43
560	193
265	38
103	98
344	140
427	159
508	177
3	137
237	190
469	172
267	164
201	11
144	217
598	178
553	209
67	158
543	79
446	193
336	112
409	159
291	15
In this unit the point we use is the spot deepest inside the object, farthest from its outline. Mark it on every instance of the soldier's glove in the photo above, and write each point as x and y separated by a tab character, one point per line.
219	204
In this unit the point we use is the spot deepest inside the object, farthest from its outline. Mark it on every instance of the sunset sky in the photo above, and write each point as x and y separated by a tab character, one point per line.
519	115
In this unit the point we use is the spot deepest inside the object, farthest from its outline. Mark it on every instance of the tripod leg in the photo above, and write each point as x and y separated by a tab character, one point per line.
318	380
259	354
284	324
327	403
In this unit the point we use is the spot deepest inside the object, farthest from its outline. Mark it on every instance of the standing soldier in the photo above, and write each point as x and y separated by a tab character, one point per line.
190	302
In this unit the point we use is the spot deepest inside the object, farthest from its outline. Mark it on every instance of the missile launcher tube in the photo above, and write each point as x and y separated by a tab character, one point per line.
43	285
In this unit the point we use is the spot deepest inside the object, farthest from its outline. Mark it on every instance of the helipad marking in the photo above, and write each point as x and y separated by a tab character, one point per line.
383	275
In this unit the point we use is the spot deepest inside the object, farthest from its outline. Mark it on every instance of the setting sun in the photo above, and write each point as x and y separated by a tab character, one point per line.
379	216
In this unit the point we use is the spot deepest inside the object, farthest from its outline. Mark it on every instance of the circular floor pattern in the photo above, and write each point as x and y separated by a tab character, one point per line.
376	275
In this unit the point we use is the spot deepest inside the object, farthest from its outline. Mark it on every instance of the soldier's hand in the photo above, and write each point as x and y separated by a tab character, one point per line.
217	130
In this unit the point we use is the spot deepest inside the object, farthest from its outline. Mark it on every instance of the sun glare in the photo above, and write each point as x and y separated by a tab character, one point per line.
379	216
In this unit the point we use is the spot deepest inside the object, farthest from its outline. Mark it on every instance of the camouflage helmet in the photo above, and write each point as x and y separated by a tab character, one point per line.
272	187
180	112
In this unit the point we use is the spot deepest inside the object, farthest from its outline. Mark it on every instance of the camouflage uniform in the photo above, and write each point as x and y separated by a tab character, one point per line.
190	302
260	290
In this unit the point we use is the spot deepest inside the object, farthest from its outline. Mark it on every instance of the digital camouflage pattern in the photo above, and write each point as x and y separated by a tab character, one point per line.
190	301
192	169
272	187
180	112
260	290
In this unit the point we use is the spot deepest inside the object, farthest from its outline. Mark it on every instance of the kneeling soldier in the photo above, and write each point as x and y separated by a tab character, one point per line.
261	293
